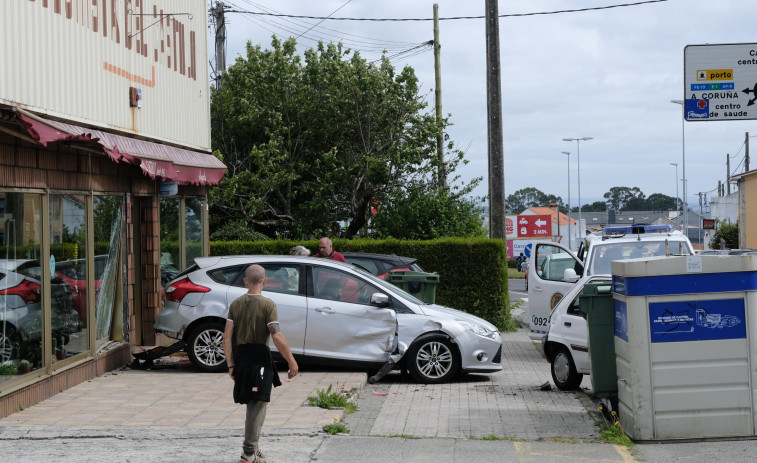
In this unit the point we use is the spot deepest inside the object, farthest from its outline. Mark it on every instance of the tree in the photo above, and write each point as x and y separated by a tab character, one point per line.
660	202
310	142
621	198
530	197
416	215
727	233
596	206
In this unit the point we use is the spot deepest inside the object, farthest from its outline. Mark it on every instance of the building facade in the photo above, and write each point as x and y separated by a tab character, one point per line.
105	168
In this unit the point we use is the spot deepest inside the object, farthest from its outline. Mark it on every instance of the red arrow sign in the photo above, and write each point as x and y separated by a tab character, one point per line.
534	226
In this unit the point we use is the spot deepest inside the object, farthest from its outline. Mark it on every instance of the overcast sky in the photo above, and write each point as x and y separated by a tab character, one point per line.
608	74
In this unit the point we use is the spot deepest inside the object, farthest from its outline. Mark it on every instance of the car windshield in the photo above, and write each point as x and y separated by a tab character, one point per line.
603	254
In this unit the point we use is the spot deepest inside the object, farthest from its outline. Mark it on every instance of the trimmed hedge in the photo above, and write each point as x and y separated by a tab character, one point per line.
472	271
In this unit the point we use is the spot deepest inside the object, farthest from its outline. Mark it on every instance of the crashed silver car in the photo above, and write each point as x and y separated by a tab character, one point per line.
332	314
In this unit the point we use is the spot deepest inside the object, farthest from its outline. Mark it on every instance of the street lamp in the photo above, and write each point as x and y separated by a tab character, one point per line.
558	217
683	165
676	164
578	161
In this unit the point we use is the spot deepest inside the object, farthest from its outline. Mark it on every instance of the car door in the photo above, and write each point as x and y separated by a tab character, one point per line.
547	287
569	328
341	322
285	286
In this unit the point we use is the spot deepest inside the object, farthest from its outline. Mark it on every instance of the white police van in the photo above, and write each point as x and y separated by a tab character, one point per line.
564	336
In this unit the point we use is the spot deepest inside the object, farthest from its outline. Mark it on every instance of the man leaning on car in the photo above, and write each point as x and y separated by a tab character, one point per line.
327	250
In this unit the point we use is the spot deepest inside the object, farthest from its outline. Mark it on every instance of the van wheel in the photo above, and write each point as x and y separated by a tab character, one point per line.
205	347
564	372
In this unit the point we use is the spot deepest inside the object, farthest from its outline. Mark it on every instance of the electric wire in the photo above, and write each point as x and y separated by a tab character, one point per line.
453	18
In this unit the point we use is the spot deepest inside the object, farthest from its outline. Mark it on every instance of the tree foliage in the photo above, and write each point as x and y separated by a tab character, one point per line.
619	198
416	214
726	233
311	141
530	197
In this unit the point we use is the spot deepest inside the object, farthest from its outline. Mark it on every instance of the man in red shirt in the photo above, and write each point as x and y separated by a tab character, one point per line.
327	250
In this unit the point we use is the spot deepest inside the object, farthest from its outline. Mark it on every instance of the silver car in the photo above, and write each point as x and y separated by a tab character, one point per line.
331	313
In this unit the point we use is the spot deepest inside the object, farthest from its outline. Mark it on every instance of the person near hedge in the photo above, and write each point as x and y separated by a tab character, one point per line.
252	321
299	251
327	250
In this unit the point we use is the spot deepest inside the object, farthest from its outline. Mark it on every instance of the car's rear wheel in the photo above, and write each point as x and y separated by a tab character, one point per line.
564	372
205	347
433	359
9	343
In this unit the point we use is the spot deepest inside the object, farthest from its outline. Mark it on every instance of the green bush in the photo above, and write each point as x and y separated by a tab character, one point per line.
472	271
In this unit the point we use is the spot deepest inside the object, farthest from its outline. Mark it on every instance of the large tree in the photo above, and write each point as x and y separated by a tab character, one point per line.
531	197
311	142
621	198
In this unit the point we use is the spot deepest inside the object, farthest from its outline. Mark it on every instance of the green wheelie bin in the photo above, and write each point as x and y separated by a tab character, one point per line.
596	303
420	284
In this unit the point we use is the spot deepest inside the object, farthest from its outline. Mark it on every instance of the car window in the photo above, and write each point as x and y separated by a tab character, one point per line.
603	254
368	264
551	262
228	275
334	285
574	306
282	278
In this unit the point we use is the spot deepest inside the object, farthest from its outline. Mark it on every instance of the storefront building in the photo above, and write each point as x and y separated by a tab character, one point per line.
105	167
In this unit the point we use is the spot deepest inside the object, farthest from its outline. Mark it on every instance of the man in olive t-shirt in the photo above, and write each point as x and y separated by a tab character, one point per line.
253	318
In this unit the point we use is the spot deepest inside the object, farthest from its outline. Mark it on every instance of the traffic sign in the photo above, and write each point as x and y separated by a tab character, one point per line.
534	226
720	82
527	250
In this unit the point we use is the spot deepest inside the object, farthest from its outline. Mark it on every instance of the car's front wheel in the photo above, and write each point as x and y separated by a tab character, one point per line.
433	359
564	372
205	347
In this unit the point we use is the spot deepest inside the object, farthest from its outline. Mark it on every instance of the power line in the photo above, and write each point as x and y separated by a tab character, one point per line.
319	22
453	18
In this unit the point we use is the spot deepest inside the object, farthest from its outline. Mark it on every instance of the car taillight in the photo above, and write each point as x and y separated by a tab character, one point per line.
178	289
26	290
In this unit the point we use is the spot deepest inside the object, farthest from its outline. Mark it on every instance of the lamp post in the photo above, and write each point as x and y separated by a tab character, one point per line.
676	164
558	217
683	166
578	161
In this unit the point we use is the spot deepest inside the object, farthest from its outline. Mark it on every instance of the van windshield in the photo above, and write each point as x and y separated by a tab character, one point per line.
603	254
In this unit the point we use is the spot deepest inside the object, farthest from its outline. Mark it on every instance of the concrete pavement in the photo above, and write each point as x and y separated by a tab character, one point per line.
172	413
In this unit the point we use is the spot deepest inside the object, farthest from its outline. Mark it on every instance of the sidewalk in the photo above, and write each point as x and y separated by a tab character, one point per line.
173	396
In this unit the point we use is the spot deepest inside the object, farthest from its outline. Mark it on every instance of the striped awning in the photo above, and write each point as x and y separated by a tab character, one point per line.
155	159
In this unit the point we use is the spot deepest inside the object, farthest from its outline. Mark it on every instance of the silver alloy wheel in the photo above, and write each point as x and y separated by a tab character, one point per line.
8	344
561	367
207	348
434	359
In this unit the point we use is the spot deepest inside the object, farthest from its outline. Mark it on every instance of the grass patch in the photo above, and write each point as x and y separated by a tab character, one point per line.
328	400
615	435
512	273
493	437
336	428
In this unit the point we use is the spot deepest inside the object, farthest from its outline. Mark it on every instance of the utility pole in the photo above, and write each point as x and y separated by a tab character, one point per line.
220	21
746	153
494	123
728	173
442	180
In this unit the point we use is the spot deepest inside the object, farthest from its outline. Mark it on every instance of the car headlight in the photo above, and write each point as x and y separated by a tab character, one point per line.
477	329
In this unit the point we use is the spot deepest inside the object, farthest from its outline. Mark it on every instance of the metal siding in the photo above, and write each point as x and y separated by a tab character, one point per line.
57	66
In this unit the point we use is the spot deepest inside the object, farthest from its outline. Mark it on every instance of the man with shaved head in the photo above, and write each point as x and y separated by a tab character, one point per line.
253	319
326	249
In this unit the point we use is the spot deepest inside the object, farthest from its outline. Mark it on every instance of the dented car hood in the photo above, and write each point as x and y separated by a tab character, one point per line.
440	311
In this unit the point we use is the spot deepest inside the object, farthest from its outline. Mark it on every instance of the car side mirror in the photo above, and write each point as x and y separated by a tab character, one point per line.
570	275
379	299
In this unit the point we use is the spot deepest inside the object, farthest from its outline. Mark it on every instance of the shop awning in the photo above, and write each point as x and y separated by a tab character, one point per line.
155	159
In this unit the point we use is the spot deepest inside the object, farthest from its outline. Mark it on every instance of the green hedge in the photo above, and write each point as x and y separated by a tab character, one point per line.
472	272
